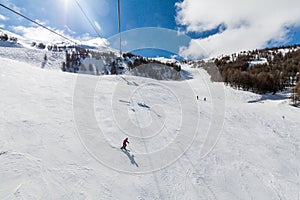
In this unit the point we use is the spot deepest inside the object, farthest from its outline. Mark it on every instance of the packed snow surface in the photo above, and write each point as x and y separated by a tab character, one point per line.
61	133
260	61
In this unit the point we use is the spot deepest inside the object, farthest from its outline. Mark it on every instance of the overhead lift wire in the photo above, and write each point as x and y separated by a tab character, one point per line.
90	21
119	26
37	23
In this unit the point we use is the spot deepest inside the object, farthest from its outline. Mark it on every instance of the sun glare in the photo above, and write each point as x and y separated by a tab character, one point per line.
66	4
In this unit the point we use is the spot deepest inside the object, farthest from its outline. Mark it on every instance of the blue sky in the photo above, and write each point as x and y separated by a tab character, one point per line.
61	13
218	27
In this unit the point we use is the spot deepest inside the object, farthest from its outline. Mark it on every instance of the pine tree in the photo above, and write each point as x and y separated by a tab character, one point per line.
296	95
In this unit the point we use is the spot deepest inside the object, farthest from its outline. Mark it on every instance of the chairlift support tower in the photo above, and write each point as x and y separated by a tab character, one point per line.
119	28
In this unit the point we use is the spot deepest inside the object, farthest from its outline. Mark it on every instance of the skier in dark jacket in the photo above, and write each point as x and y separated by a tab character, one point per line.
125	144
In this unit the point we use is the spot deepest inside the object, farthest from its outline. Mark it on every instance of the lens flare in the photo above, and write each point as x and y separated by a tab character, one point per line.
66	4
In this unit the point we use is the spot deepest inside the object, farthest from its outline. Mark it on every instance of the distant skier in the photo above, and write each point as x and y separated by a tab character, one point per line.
125	144
197	98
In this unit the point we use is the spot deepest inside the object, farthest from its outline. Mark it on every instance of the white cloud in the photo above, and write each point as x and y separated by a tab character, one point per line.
40	22
87	39
38	34
97	42
3	18
69	30
97	25
193	51
249	24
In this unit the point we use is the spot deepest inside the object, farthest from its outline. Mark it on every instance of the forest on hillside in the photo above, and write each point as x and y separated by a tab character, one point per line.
262	71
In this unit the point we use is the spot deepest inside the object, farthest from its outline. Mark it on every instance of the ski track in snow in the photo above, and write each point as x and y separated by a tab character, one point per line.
43	156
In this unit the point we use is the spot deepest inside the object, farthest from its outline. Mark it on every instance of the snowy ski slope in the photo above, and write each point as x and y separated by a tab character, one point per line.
60	135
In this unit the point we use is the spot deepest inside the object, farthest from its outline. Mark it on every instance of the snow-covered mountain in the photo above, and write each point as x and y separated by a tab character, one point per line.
60	135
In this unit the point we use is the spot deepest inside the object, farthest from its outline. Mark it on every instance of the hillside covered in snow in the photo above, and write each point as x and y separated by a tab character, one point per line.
61	133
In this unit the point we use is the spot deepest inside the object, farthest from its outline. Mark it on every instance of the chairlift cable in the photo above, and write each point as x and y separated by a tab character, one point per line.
119	27
90	22
39	24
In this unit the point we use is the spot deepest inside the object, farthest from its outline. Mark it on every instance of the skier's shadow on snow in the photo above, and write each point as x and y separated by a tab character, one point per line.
131	158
